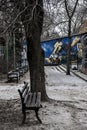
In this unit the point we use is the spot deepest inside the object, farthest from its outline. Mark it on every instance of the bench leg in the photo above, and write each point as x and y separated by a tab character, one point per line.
17	79
36	112
24	116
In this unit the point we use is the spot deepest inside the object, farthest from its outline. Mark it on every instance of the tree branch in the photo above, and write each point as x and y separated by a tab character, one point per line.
74	8
15	20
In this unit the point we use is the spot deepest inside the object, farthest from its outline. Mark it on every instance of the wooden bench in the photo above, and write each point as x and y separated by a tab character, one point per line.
21	71
25	68
30	101
13	75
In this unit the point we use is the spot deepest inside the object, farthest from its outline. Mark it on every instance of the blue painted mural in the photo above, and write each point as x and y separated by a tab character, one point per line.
56	49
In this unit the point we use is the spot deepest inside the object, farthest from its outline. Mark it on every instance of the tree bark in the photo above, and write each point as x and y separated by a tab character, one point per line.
35	57
69	49
70	15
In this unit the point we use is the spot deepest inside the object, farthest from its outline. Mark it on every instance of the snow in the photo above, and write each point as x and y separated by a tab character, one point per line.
64	87
68	112
59	86
8	92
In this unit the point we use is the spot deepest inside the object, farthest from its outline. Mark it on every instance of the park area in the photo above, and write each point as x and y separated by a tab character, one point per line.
66	111
38	35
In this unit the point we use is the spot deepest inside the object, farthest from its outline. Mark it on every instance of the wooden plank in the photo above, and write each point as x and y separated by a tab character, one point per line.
25	92
26	97
24	87
29	100
33	102
38	99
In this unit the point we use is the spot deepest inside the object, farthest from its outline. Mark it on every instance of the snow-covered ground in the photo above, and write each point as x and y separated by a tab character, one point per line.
10	90
68	112
59	86
65	87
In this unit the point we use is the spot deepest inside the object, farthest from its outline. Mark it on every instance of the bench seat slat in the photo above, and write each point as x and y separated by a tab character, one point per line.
33	100
38	99
29	100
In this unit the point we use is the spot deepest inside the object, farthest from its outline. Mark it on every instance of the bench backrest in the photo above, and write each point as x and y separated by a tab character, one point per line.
24	92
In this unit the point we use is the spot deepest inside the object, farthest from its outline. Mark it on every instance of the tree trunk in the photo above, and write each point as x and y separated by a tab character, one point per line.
35	57
69	49
70	15
36	65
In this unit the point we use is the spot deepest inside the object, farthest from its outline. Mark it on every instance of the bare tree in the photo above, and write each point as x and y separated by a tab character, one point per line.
30	14
70	13
10	33
35	55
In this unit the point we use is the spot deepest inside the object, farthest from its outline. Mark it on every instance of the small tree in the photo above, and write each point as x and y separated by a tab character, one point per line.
70	16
